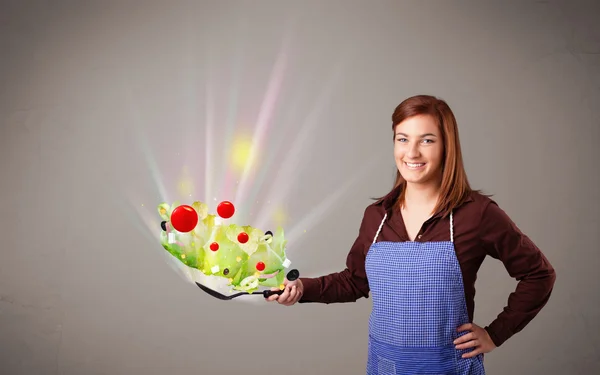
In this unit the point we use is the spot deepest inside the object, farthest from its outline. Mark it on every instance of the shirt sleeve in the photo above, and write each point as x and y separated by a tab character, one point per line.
525	262
350	284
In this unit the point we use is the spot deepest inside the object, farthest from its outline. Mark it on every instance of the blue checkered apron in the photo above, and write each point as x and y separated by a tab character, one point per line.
418	303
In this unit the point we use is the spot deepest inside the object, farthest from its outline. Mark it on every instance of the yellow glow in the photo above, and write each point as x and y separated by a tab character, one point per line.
185	187
280	217
241	152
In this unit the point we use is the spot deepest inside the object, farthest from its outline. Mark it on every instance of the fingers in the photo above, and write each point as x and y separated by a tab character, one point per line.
289	296
468	340
278	297
465	338
273	297
468	344
477	339
472	353
283	297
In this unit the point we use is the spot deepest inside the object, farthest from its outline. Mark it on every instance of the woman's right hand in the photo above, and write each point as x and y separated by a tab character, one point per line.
292	293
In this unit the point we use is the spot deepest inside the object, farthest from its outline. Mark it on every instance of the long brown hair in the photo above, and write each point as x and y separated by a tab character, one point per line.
455	187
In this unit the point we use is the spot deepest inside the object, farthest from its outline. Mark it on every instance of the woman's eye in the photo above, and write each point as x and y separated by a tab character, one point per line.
401	139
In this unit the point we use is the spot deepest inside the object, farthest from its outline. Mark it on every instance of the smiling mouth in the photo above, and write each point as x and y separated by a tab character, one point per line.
414	165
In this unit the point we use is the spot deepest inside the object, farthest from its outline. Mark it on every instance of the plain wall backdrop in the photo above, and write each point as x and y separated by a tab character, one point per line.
110	107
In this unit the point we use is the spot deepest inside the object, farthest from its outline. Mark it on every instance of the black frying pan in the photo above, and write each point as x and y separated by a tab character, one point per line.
291	276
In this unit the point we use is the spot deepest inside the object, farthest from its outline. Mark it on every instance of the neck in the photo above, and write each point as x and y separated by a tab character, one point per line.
421	194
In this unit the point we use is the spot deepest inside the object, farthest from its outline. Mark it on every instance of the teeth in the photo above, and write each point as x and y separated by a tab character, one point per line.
411	165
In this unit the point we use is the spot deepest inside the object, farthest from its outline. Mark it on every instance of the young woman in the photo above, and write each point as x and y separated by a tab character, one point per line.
418	251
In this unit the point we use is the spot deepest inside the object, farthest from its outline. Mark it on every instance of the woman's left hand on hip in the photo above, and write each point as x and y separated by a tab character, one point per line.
478	339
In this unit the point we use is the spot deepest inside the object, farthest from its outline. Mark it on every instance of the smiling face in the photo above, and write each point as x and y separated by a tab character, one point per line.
419	150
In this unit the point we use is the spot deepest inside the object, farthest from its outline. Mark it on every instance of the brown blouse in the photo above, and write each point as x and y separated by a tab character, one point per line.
481	228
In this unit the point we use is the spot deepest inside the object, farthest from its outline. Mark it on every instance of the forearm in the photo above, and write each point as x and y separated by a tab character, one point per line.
350	284
523	261
334	288
530	296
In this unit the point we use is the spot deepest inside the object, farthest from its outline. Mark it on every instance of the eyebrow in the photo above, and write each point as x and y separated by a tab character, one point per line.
422	135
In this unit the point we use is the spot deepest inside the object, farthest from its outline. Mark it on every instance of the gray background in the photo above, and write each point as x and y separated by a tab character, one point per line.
105	105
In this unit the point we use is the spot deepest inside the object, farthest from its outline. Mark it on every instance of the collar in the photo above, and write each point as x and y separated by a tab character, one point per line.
388	200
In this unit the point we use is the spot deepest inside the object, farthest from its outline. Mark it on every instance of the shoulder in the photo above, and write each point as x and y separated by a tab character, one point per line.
488	215
486	204
479	211
480	198
375	211
383	205
373	215
477	203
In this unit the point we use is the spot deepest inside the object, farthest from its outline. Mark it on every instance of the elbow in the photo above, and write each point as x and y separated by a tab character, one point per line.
545	279
540	281
546	285
550	274
551	279
543	272
354	288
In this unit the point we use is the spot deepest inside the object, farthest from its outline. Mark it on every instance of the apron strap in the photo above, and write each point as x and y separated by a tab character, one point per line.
379	229
451	227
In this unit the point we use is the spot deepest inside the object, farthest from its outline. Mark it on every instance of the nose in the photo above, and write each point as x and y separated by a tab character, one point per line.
413	150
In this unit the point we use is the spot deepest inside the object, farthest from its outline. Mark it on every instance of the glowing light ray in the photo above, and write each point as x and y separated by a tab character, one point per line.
263	172
155	173
227	181
290	165
142	222
312	218
274	155
208	161
262	123
260	179
150	232
150	227
143	143
229	184
188	78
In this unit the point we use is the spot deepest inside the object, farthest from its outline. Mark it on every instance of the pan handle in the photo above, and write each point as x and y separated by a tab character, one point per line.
291	276
268	293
